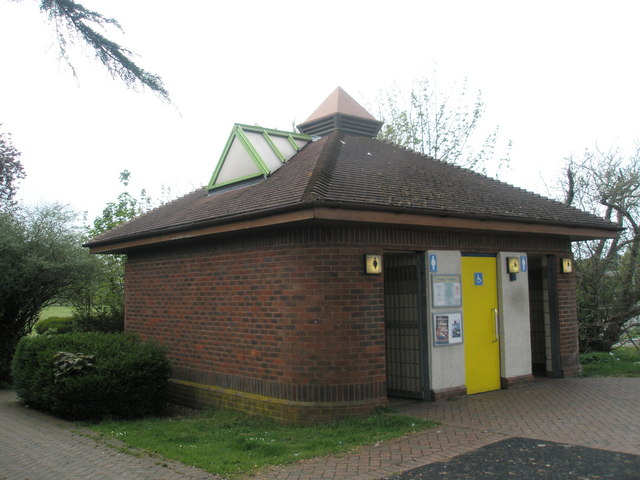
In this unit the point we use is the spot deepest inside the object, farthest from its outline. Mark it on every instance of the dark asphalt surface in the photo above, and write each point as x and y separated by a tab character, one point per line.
526	459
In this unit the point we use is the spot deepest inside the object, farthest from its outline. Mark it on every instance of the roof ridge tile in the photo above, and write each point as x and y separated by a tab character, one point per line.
322	174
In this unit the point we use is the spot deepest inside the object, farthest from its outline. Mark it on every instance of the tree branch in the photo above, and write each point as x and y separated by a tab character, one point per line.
74	19
570	195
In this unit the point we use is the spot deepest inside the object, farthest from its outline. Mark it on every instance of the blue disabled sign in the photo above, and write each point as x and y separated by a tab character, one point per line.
478	279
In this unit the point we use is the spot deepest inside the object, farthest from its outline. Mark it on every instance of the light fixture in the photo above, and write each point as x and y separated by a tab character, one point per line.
373	264
513	265
567	265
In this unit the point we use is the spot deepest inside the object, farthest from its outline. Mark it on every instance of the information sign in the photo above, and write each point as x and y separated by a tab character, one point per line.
446	291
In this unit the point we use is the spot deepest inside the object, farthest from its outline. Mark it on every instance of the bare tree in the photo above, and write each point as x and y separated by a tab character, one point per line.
608	281
440	125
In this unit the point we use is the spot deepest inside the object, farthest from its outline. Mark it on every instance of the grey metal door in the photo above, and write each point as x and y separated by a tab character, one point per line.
404	298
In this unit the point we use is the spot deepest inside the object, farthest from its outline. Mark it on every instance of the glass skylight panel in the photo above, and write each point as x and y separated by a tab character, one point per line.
253	151
237	164
284	145
301	143
264	150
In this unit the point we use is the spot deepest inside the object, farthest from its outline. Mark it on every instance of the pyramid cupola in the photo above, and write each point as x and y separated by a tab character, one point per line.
340	112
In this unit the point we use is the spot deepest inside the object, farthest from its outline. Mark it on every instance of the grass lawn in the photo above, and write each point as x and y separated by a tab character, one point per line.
56	311
621	362
232	444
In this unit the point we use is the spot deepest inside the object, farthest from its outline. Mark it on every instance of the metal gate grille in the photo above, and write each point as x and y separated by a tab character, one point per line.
537	306
403	328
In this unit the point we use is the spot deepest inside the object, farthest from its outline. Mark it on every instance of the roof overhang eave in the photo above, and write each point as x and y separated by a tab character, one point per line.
478	223
352	214
200	229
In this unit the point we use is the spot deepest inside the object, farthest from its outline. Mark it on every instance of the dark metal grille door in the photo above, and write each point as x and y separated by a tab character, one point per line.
537	312
406	374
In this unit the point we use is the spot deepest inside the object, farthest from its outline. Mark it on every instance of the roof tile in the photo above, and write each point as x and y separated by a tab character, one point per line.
354	171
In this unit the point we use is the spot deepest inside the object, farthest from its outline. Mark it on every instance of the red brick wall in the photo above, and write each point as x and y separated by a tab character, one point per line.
296	322
290	314
567	320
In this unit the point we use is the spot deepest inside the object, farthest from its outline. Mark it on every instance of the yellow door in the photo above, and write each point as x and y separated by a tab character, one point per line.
480	316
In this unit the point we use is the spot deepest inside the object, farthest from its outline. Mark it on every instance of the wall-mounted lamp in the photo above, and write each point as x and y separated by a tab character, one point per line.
373	264
567	265
513	267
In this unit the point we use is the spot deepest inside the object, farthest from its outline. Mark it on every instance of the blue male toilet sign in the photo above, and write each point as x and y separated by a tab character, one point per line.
478	279
433	262
523	264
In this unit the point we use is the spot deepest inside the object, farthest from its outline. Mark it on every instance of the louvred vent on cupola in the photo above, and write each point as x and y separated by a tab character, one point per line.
340	112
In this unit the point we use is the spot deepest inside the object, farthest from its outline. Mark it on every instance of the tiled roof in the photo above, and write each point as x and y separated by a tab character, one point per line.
353	171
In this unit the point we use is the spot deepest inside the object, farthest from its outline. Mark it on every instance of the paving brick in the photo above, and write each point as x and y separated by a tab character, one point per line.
593	412
40	447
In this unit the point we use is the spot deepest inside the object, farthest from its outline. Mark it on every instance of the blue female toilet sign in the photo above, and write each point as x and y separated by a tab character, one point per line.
478	279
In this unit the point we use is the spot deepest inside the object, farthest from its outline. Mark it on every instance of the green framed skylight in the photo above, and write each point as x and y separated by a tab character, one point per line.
253	152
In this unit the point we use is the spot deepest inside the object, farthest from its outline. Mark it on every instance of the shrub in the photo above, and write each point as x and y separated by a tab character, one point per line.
54	325
595	357
100	321
89	376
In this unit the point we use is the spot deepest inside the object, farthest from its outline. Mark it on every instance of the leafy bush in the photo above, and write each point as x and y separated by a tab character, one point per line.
90	376
54	325
106	321
41	260
98	321
595	357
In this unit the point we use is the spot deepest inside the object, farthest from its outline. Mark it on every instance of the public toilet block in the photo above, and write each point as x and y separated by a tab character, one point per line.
321	272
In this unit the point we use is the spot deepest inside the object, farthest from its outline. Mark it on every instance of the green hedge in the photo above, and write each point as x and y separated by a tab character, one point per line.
55	325
100	321
90	376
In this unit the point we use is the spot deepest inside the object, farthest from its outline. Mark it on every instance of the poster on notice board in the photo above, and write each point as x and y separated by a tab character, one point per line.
447	328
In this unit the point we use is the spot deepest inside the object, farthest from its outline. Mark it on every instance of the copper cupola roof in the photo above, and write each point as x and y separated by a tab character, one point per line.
340	112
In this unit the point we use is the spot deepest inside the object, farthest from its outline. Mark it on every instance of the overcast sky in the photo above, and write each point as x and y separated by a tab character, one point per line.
556	76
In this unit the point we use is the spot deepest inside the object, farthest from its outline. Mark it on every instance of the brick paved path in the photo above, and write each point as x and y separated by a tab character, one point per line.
34	446
594	412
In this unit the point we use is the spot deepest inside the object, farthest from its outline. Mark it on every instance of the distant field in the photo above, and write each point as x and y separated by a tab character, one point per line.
56	311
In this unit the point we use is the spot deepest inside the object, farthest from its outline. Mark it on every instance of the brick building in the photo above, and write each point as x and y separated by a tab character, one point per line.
320	272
